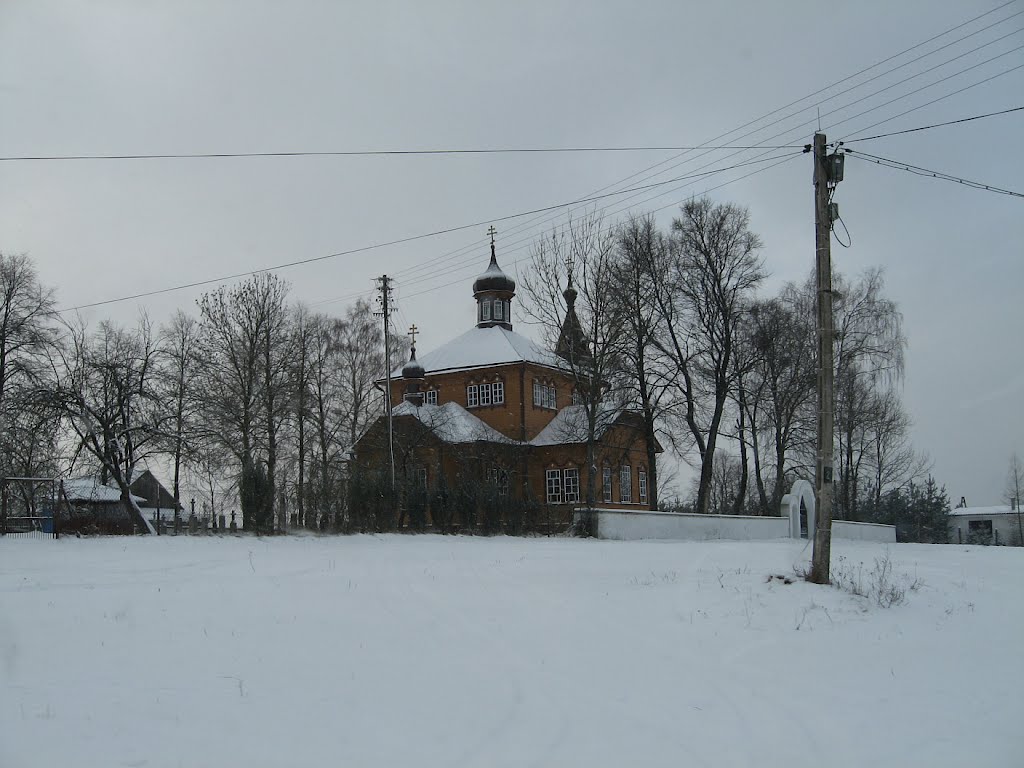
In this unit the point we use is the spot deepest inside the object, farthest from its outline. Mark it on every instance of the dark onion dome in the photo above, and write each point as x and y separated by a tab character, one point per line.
412	369
494	279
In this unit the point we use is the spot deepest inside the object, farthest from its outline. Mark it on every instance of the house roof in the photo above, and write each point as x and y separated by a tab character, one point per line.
89	489
999	509
452	423
484	347
570	425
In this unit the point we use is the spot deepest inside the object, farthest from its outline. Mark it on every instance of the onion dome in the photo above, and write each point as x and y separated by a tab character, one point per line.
412	369
493	279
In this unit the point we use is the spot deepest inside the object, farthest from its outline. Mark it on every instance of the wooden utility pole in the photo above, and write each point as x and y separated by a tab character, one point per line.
820	560
384	288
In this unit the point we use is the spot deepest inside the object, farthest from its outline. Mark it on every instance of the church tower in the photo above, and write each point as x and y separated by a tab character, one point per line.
572	342
493	292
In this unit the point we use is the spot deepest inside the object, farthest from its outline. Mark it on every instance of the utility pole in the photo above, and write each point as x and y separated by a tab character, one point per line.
384	300
1015	468
821	558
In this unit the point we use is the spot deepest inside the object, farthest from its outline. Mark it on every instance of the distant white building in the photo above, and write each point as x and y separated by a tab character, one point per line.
986	525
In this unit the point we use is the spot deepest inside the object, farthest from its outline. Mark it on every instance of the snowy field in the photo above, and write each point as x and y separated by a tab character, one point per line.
443	651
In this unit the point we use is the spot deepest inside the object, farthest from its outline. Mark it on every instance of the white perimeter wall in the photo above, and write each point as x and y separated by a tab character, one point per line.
627	526
846	529
623	525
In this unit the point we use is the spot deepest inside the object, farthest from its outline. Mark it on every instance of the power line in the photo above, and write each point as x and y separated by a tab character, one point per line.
940	98
605	230
398	241
459	251
919	171
460	267
366	153
636	190
455	254
935	125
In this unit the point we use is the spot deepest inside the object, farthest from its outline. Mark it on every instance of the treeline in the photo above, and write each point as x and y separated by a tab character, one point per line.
251	396
679	326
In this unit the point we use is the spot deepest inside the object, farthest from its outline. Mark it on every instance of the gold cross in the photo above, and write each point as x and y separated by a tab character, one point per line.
492	232
413	330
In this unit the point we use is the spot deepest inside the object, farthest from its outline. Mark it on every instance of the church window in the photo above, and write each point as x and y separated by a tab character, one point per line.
430	397
485	309
553	478
544	395
626	485
606	482
471	396
499	309
577	398
641	481
420	473
571	483
485	394
499	392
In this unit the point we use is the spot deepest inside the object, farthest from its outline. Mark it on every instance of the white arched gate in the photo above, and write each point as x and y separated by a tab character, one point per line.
802	491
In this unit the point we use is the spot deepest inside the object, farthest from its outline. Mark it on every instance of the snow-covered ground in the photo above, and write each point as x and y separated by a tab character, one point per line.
444	651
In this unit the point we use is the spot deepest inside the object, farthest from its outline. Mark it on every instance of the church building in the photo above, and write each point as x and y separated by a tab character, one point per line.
493	409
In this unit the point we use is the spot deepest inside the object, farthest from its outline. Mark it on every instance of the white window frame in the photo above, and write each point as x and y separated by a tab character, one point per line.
498	393
485	309
606	483
626	484
430	397
499	309
485	394
471	396
641	482
553	486
545	395
571	485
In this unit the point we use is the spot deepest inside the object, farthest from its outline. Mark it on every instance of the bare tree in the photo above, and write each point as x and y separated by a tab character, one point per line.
1014	484
701	298
102	386
245	346
584	323
27	333
357	346
177	385
893	461
780	391
641	254
869	356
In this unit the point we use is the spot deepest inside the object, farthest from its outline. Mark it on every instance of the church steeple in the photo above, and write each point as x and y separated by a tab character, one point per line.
413	373
493	292
572	343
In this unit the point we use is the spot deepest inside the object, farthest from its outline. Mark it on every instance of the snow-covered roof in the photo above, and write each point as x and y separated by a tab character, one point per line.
89	489
481	347
999	509
452	423
570	425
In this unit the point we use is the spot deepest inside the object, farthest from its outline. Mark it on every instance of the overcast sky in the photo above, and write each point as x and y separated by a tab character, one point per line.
184	77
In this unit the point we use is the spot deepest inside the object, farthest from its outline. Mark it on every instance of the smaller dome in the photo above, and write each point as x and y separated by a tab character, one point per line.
494	279
412	369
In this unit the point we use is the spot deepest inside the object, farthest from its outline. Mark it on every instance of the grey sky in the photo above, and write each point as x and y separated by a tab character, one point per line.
154	77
